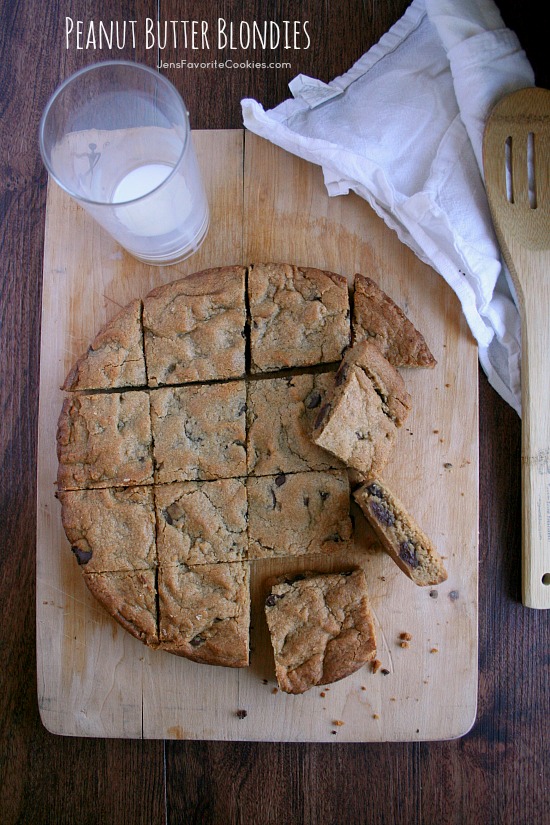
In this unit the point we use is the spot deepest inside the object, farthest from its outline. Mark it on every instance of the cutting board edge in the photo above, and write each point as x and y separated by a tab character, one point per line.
48	718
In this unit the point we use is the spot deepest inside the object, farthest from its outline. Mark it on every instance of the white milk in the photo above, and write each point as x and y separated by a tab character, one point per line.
159	214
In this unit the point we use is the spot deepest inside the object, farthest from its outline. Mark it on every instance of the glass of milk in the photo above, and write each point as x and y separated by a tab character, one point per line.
116	137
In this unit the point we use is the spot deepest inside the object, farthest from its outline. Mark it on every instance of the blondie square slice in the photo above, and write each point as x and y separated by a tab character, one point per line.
299	316
115	358
110	530
199	432
359	419
321	628
130	598
377	317
194	328
399	535
205	612
280	416
104	440
201	522
298	514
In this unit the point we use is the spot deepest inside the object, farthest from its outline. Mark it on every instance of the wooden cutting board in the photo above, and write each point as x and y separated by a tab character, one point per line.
94	679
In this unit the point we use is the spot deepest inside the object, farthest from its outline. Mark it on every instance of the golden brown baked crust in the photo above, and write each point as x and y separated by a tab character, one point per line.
298	514
378	319
359	418
321	628
130	598
280	417
199	431
201	522
299	316
104	440
115	358
205	612
112	529
399	534
194	328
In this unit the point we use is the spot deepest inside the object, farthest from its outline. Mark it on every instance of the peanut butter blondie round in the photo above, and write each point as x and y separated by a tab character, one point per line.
186	456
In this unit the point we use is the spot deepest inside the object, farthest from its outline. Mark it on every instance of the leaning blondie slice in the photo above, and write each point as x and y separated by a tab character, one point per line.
359	418
299	316
399	535
321	628
205	612
298	514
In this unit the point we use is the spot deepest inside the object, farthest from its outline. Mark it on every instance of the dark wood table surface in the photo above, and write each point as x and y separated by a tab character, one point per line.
498	773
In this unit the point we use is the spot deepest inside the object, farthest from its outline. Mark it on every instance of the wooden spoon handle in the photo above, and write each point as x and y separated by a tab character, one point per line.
536	431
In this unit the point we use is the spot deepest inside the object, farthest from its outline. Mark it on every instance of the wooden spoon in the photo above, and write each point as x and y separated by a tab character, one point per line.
516	160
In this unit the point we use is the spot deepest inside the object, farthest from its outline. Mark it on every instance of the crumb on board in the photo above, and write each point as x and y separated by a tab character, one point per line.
333	731
385	671
275	690
404	644
323	694
434	650
264	681
434	594
242	714
375	716
363	687
376	665
405	636
337	723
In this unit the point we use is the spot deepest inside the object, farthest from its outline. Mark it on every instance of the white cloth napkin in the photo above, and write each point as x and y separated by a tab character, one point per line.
403	129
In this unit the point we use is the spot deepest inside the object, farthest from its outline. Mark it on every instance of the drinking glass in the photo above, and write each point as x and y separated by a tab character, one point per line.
116	137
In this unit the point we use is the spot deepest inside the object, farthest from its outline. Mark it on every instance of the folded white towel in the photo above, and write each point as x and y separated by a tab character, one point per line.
403	129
